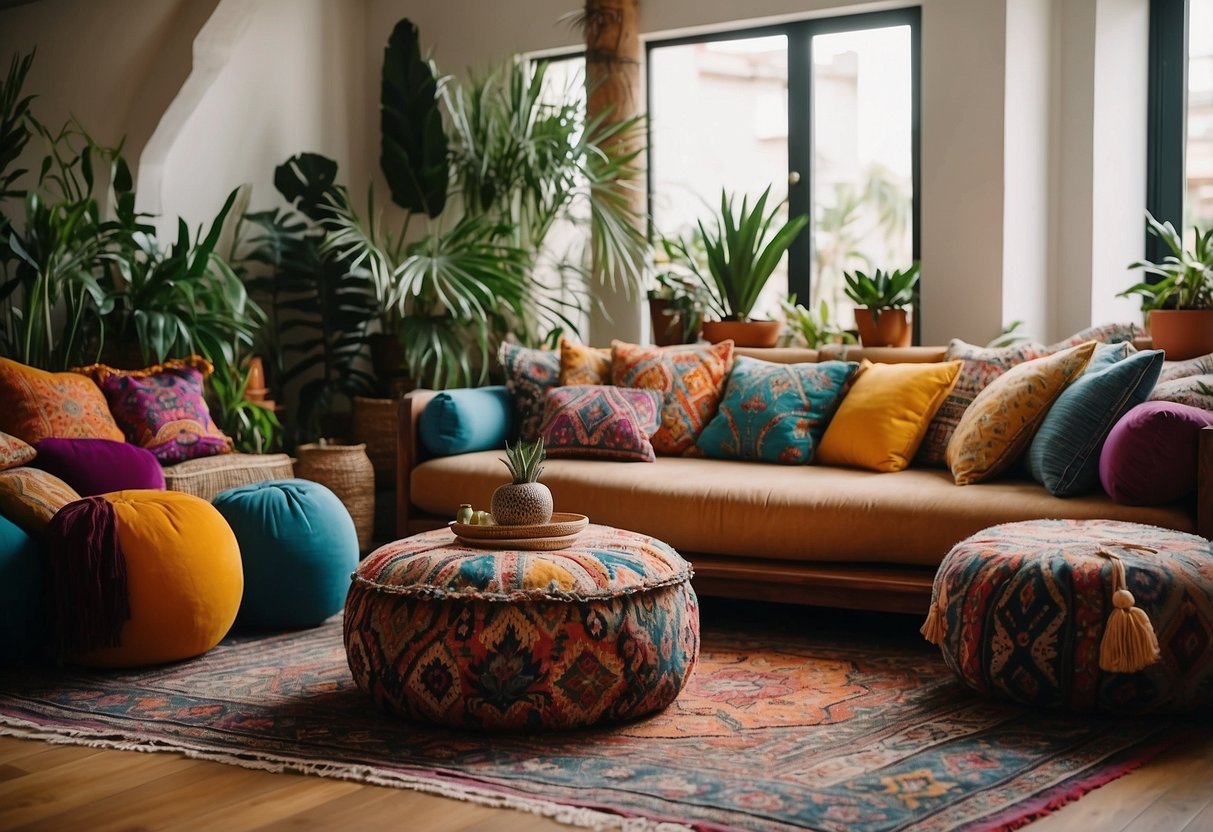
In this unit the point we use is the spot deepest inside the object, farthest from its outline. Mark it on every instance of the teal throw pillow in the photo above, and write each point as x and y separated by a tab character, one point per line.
775	412
466	420
1064	454
24	617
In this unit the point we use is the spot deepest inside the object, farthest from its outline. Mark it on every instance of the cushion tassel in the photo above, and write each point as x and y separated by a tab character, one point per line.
936	625
90	603
1129	641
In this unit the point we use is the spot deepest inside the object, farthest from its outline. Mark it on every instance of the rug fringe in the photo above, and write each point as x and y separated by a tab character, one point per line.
579	816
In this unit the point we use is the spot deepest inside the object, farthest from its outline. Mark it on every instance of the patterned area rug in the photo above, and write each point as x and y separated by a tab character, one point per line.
826	729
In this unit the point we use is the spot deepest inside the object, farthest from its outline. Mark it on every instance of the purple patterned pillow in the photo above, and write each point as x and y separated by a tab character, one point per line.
162	408
99	466
1149	457
529	375
601	422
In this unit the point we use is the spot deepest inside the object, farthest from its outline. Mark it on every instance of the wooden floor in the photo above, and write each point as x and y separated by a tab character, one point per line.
59	787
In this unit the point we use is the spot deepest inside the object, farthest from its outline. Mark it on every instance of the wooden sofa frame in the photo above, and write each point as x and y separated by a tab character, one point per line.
888	588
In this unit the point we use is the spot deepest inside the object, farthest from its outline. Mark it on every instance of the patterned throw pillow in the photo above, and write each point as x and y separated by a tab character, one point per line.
601	422
1064	454
1115	333
881	421
38	405
1194	391
162	408
1172	370
981	366
14	452
1004	417
580	364
30	497
692	382
775	412
529	375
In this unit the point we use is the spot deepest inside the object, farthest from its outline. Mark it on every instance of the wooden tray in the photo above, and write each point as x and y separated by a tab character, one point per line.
563	524
529	544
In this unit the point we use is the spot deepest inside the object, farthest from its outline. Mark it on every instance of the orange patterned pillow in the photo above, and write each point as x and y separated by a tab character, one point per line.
14	452
691	381
39	405
580	364
1003	418
30	497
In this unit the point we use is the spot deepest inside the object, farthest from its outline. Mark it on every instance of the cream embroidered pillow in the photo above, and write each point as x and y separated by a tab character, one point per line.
997	427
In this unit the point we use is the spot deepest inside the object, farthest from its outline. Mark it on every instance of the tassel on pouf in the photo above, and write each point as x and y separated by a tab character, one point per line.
936	625
1129	641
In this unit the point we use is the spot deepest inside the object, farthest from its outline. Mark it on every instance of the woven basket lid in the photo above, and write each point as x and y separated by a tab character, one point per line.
602	563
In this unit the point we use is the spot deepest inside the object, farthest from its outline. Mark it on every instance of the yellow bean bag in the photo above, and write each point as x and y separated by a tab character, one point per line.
171	590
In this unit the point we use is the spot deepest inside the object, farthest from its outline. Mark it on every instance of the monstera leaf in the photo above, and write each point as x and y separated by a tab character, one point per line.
306	181
413	147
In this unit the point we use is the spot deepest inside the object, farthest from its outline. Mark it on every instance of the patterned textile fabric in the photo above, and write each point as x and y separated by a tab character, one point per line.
775	412
580	364
1194	391
529	375
39	405
605	630
14	452
1172	370
1001	421
981	366
163	408
1026	604
601	422
692	382
30	497
1113	333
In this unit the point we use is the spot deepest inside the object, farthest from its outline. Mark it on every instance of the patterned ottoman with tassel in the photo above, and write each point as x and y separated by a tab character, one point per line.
1079	614
604	629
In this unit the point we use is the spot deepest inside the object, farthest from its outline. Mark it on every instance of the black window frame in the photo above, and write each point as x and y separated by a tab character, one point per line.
800	34
1166	142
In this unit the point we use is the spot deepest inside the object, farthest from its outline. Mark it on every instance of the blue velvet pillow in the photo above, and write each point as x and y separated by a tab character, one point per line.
466	420
775	412
1064	454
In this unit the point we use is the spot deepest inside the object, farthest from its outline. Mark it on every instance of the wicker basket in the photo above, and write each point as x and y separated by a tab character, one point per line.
209	475
377	425
346	471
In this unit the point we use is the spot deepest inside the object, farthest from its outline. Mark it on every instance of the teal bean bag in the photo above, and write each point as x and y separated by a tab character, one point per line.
23	621
298	546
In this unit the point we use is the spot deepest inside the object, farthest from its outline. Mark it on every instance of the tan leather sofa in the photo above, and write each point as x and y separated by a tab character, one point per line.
811	534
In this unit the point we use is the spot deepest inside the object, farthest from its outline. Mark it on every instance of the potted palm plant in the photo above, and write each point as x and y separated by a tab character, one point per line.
1178	303
882	300
742	254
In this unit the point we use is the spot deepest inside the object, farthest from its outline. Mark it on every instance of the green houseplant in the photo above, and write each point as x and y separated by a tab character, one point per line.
742	254
1178	303
813	327
679	297
882	299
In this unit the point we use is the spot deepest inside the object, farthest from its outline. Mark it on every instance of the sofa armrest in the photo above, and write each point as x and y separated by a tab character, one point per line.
408	453
1204	484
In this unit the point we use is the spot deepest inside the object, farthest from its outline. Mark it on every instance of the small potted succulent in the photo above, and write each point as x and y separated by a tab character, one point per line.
525	501
882	300
1178	304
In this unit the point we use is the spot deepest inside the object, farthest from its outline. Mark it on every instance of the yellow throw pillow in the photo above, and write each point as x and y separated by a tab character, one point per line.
1001	421
30	497
883	418
583	365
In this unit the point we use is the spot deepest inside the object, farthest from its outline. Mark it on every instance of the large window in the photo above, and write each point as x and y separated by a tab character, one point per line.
822	111
1181	115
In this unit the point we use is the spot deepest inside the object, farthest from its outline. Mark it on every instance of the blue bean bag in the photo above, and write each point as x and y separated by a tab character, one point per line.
298	546
23	618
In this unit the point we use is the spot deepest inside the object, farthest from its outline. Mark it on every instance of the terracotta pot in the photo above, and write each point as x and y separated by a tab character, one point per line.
667	331
891	328
255	390
1182	333
743	333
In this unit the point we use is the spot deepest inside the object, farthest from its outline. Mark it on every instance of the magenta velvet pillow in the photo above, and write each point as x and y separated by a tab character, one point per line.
597	421
99	466
163	408
1149	457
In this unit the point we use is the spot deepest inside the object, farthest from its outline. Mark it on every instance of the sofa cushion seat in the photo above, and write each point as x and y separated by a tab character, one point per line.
806	513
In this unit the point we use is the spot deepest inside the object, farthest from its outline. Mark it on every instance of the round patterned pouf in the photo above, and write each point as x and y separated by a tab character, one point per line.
141	577
604	630
299	548
1031	611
